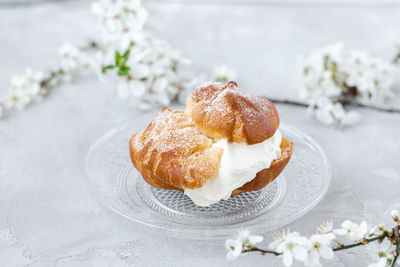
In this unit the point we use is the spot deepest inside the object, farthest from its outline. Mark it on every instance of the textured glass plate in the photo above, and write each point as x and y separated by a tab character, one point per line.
115	181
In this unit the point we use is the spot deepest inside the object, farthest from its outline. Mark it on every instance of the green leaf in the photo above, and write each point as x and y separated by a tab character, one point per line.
117	58
122	62
123	59
123	71
126	54
105	68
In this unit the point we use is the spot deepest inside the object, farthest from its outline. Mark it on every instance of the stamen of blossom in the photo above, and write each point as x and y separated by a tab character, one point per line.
325	227
320	247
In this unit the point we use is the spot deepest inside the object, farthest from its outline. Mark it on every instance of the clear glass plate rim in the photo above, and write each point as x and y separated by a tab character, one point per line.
201	232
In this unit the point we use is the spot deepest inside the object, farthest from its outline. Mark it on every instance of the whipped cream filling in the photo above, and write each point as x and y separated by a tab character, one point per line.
239	164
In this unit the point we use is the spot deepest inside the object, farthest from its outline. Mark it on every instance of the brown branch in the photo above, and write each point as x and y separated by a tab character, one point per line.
263	251
345	103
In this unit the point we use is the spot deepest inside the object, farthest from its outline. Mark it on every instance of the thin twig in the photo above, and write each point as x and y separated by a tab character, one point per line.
359	244
352	104
288	102
263	251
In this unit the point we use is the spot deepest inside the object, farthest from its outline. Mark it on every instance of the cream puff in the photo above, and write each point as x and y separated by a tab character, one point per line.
226	142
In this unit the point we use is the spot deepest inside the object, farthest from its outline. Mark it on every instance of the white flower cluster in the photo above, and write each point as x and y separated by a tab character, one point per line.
239	242
292	246
332	77
121	21
22	90
145	69
73	59
385	256
152	72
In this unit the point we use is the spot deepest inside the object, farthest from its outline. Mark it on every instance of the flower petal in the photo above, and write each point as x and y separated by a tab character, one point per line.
287	258
254	239
300	253
326	252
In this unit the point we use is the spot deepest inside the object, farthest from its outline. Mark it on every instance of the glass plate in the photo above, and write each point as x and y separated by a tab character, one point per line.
117	184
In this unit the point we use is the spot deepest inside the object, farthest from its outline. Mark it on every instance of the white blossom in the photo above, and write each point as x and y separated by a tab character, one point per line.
119	18
23	89
153	73
223	74
331	76
240	241
325	227
380	254
320	247
331	113
72	59
69	57
291	245
353	231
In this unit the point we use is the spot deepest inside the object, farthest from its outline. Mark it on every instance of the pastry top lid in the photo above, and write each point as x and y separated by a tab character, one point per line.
222	111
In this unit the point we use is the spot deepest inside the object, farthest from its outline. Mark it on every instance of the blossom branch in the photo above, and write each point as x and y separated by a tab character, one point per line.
263	251
340	247
365	242
291	245
343	102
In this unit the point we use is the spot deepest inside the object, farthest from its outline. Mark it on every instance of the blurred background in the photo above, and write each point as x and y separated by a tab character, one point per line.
45	200
261	39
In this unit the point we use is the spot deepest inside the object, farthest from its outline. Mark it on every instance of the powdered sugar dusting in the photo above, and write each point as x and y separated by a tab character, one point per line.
226	112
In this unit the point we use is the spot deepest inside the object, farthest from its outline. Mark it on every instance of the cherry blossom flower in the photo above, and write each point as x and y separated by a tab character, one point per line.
353	231
291	245
331	113
224	74
69	57
381	255
320	247
119	19
240	241
23	89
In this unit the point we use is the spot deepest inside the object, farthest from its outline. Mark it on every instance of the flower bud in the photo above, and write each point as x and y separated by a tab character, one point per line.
390	232
395	215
